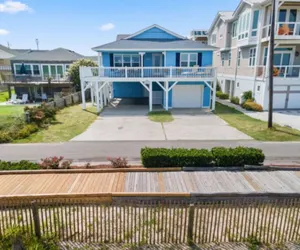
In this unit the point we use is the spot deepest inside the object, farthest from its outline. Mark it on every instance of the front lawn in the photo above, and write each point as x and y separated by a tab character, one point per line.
4	95
160	116
257	129
8	114
70	121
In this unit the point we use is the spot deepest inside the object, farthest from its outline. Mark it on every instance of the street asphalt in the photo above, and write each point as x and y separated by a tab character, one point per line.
276	152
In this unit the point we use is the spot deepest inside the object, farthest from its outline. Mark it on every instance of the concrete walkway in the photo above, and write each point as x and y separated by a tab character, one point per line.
283	118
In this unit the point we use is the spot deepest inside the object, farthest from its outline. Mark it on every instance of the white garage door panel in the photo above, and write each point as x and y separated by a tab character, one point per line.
294	101
187	96
279	101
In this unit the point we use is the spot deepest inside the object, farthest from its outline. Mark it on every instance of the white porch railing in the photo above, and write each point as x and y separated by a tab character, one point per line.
288	29
148	72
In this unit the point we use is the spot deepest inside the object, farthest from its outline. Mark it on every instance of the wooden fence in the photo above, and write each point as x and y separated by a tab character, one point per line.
68	100
134	219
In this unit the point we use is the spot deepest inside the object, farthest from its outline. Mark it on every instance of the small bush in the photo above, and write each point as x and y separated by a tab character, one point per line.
41	115
250	105
175	157
53	163
224	96
21	165
26	131
5	137
235	100
219	93
218	88
119	162
240	156
247	95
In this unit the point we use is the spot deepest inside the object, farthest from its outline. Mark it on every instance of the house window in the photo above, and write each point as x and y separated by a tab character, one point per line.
255	23
258	88
237	84
233	29
126	60
239	58
229	58
252	56
18	69
221	36
222	59
213	38
28	69
36	69
67	66
243	25
53	70
188	59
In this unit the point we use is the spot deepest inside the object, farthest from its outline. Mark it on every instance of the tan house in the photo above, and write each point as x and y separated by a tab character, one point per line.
242	37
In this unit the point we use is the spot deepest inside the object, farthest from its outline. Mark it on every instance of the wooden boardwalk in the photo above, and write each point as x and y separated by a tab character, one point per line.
197	182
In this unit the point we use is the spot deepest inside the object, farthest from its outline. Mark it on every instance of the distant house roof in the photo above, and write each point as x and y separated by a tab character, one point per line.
59	54
93	58
122	36
133	45
223	15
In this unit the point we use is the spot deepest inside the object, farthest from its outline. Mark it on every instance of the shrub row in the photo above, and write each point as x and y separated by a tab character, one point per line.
235	100
20	165
222	95
250	105
218	156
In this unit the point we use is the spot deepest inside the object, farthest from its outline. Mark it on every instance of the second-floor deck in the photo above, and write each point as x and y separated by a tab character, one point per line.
283	30
147	73
23	79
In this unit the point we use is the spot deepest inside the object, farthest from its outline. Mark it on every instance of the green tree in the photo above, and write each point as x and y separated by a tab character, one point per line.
73	71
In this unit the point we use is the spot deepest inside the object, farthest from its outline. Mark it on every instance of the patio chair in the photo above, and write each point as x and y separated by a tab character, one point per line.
13	99
44	97
24	98
284	30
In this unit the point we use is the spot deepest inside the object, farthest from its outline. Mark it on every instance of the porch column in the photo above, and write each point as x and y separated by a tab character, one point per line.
97	97
150	96
83	95
165	58
92	94
213	105
142	63
9	91
166	95
101	97
105	95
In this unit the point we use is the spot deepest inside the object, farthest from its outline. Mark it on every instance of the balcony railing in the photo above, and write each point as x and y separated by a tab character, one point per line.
282	29
148	72
36	79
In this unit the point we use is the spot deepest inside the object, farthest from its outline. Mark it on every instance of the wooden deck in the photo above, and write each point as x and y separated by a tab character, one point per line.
194	182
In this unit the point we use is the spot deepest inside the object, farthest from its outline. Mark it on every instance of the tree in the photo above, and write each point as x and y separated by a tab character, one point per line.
73	71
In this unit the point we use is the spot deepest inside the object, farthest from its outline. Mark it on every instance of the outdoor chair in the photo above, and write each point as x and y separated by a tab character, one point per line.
44	97
24	99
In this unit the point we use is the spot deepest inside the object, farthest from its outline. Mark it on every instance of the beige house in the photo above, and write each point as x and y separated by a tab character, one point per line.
242	37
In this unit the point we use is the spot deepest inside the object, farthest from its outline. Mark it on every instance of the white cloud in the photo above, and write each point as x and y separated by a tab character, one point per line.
13	7
3	32
107	26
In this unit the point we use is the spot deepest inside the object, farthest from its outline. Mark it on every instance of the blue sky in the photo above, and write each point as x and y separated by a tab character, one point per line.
80	25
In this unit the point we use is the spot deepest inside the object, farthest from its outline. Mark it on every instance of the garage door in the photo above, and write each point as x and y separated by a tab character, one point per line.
187	96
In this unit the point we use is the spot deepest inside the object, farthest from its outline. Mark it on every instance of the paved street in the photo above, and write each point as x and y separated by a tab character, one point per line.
288	152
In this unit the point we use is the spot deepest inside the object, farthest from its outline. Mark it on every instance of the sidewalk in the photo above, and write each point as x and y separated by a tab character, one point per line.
283	118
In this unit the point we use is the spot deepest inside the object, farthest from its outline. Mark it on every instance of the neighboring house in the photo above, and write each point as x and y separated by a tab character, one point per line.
6	54
154	64
199	35
41	73
242	59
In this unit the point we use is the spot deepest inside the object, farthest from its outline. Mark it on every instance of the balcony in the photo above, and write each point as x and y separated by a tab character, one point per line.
23	79
147	73
283	30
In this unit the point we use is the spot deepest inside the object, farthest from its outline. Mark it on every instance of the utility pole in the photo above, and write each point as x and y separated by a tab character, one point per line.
37	44
271	65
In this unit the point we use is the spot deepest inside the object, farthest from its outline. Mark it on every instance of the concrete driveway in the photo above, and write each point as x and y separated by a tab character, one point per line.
130	123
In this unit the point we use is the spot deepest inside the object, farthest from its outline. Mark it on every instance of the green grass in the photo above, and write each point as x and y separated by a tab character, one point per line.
160	116
8	115
257	129
4	95
70	121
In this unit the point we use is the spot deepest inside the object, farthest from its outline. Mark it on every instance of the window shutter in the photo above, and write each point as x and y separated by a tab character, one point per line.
177	59
199	59
111	59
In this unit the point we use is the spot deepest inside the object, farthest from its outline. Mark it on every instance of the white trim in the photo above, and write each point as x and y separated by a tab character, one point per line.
188	59
155	49
155	26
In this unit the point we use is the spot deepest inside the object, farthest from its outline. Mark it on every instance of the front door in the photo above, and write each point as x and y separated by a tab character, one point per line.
157	71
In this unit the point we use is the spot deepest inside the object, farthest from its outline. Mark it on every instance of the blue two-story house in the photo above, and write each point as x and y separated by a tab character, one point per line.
154	63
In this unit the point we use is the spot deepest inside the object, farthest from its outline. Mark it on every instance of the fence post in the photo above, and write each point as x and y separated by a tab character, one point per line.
190	224
36	219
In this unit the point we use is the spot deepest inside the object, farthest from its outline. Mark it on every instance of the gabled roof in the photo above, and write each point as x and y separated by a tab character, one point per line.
122	36
223	15
59	54
138	45
159	27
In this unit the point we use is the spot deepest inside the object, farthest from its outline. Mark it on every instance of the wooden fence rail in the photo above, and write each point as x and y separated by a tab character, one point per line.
156	220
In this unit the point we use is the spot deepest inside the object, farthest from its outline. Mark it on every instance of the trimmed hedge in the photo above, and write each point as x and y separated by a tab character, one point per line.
249	105
218	156
222	95
175	157
235	100
21	165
